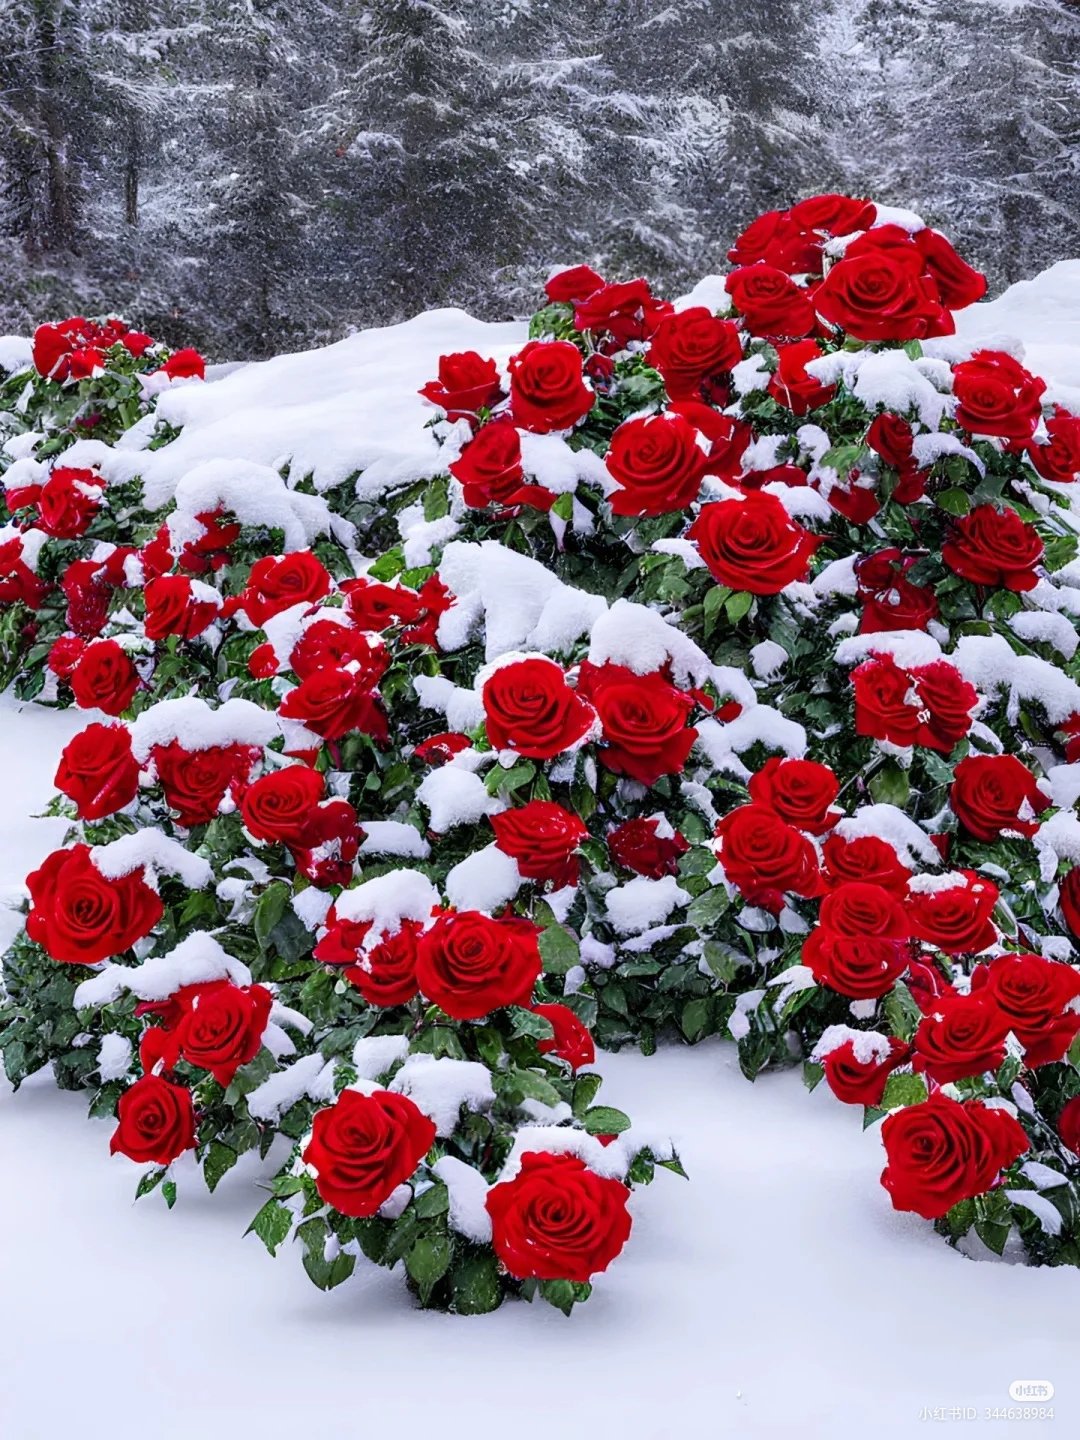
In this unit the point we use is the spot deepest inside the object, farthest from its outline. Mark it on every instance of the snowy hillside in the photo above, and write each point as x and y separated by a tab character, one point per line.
776	1295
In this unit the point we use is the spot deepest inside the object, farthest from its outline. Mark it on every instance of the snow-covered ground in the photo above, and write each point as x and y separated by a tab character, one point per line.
777	1294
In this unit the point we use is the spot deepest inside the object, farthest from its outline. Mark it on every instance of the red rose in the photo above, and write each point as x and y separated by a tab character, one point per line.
770	302
643	719
438	749
1032	994
958	284
991	793
332	843
79	916
88	594
222	1027
648	847
104	678
929	705
489	467
790	385
764	857
866	857
528	707
172	609
889	600
1069	900
1069	1124
690	348
753	544
277	582
859	947
658	464
98	771
995	395
1059	459
956	919
800	791
862	1082
547	389
136	342
946	702
469	964
779	241
884	701
210	550
51	351
467	384
960	1036
557	1219
328	644
941	1152
68	502
571	1041
364	1146
156	1122
626	311
834	214
334	702
541	837
575	283
184	365
374	606
384	973
989	546
195	782
277	807
727	437
881	293
64	654
18	583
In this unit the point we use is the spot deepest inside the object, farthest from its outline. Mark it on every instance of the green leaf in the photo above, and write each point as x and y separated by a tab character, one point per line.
150	1181
272	1224
903	1090
559	950
430	1203
605	1120
269	908
427	1262
993	1234
219	1160
559	1293
738	605
533	1087
476	1286
512	779
954	501
527	1022
694	1019
168	1190
890	785
901	1011
714	602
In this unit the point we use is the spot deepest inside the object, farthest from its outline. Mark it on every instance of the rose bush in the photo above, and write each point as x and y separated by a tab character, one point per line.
717	679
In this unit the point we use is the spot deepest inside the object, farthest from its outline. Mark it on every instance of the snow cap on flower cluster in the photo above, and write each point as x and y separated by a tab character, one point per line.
515	602
199	726
441	1086
197	959
387	901
151	850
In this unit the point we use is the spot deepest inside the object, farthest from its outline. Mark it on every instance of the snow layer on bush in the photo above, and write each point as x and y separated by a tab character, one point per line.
387	901
197	959
199	726
440	1087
